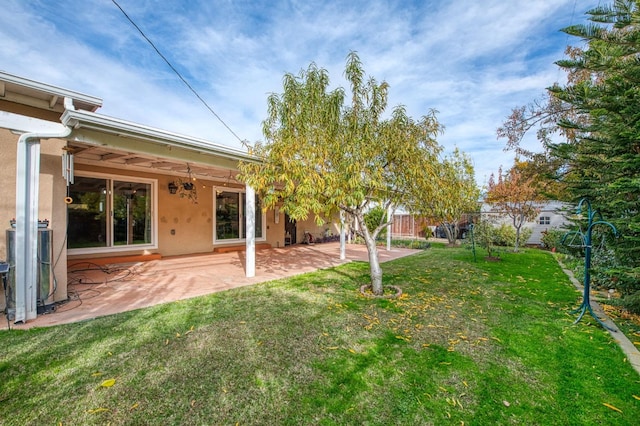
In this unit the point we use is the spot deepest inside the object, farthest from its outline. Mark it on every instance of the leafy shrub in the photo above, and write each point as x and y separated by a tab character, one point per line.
373	218
484	234
552	238
525	234
506	235
603	266
412	244
632	302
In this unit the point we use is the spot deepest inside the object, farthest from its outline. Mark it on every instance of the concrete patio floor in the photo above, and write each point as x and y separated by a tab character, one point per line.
95	292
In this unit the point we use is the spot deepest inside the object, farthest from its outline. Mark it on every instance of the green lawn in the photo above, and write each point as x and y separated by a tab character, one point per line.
468	343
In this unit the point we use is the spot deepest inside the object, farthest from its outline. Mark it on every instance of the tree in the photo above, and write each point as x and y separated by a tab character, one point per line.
457	194
322	156
485	235
545	117
604	165
598	156
515	197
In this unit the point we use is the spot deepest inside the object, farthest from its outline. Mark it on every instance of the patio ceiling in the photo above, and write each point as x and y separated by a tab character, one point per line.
104	156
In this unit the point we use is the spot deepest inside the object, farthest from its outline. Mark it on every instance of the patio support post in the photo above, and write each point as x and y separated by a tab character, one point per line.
250	218
343	249
389	217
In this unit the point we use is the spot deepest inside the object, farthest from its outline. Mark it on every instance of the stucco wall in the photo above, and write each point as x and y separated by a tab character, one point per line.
51	202
317	231
52	207
275	231
185	227
8	142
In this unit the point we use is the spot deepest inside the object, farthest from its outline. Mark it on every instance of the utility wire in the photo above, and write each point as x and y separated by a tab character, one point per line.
243	142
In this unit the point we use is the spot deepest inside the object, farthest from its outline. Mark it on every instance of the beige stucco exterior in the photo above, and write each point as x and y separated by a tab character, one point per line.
52	191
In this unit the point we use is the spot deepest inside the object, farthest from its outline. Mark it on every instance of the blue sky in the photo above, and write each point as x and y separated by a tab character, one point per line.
472	60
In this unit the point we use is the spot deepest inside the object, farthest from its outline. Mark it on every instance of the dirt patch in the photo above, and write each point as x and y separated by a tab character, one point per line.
388	292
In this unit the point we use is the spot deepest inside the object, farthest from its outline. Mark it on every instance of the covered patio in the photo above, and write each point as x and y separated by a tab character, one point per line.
96	291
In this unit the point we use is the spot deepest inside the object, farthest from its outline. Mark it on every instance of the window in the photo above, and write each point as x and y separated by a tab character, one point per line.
230	207
544	220
108	213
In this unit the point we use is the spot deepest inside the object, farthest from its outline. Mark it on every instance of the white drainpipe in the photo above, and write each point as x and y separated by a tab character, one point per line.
250	226
27	203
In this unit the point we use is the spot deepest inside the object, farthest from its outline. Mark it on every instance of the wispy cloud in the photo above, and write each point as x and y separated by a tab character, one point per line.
472	61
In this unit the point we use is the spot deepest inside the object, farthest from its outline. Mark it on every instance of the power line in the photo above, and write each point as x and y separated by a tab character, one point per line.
177	72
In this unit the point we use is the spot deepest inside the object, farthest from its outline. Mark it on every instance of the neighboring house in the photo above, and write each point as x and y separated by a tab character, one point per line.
113	189
551	215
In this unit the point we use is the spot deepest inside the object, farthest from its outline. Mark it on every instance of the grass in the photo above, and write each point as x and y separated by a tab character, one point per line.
480	343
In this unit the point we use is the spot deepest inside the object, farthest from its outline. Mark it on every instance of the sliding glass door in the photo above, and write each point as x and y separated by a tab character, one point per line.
107	212
230	208
131	213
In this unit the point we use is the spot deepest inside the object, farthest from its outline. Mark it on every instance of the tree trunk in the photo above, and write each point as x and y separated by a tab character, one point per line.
451	232
375	271
517	223
374	266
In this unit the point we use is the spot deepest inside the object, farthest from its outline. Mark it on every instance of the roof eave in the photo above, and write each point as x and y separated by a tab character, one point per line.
80	100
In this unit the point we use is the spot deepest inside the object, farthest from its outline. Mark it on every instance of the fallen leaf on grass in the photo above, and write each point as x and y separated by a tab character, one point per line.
108	383
612	407
97	410
506	403
636	397
96	374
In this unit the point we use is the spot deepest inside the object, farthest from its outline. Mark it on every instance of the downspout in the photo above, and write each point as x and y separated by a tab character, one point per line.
27	204
250	224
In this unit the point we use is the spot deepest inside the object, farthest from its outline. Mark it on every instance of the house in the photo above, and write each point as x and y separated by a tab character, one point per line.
80	185
551	214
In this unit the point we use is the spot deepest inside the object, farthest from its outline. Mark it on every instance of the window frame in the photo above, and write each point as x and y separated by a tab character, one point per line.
111	247
241	221
544	220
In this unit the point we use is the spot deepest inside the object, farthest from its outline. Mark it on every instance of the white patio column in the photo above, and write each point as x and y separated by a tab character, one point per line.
389	218
250	226
343	248
26	242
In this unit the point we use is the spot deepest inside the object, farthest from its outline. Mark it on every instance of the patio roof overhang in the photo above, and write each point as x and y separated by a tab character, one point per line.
98	139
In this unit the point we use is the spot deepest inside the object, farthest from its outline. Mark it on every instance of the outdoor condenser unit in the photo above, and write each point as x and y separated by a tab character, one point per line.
45	287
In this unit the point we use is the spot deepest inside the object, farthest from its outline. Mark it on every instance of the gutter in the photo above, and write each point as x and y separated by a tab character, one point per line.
27	206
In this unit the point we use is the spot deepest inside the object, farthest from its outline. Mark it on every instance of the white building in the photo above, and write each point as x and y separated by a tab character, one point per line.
551	214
